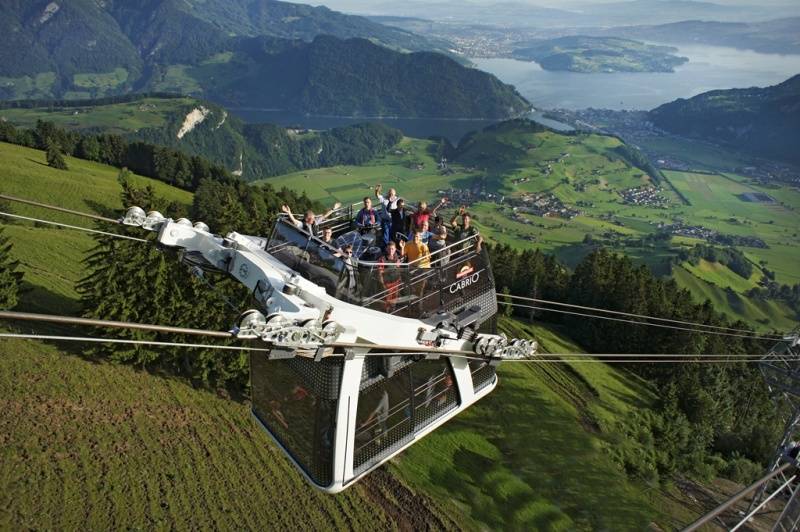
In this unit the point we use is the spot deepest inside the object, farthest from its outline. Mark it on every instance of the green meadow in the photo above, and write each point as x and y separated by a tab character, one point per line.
90	444
116	118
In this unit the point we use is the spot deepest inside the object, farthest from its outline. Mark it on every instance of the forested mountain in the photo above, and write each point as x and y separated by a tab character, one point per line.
258	53
780	36
195	128
761	121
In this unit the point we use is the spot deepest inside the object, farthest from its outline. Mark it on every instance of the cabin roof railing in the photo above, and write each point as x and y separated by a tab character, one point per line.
472	239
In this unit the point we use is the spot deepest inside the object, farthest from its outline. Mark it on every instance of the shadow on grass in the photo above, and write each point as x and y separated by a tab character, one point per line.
537	468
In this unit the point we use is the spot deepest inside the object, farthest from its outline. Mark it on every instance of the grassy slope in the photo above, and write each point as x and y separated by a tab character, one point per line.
140	450
537	453
102	446
52	269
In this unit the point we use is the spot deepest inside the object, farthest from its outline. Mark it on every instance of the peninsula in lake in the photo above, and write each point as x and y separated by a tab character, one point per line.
600	54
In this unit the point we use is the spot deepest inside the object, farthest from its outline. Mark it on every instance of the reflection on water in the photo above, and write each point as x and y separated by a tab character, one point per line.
709	68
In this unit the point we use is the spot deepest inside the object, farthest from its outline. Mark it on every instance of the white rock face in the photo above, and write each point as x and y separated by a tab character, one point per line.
193	118
49	11
240	170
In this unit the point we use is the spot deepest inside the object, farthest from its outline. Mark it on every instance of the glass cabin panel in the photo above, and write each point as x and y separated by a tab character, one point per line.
296	401
399	397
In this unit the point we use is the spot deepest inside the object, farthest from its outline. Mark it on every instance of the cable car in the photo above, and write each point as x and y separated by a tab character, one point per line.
365	357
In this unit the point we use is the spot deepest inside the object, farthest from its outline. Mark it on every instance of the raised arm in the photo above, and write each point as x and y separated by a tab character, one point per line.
329	211
438	206
286	210
379	195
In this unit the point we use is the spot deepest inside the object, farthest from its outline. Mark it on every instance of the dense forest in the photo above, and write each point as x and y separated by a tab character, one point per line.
711	418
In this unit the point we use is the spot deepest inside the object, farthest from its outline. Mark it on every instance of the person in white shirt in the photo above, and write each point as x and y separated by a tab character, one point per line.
388	203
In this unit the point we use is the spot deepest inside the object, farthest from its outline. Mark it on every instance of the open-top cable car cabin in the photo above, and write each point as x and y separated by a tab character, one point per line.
366	357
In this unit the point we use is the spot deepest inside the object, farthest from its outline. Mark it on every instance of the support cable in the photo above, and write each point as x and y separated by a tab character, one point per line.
662	325
59	209
86	229
563	358
619	313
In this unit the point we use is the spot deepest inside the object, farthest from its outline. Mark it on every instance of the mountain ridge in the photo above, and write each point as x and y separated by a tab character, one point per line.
762	121
85	49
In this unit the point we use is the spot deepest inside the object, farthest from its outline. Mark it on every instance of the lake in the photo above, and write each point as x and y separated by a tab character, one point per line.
709	68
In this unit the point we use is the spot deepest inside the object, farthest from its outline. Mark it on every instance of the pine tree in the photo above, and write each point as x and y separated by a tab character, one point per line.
54	157
10	278
131	281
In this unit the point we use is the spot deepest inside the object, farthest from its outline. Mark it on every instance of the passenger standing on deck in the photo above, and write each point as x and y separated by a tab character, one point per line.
423	213
327	236
367	216
310	222
466	229
399	220
416	251
438	241
388	203
419	256
424	232
390	275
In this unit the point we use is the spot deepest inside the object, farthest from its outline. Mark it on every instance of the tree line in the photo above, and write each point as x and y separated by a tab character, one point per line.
165	164
710	418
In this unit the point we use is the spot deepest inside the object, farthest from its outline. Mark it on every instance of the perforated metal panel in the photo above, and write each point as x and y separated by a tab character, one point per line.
296	402
483	374
391	409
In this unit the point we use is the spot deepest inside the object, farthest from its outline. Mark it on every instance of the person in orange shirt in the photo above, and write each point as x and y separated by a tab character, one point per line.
419	256
416	251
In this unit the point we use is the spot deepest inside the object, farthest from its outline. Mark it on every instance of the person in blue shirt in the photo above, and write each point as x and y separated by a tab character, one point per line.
423	231
366	217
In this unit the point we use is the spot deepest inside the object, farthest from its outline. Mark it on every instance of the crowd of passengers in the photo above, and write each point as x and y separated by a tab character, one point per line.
418	236
411	235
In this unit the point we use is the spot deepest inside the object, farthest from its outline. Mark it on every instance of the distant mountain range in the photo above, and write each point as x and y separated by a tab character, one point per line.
634	12
761	121
780	36
257	53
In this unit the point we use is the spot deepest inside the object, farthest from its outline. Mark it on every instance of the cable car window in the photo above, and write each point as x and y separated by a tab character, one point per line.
296	402
434	391
391	409
288	244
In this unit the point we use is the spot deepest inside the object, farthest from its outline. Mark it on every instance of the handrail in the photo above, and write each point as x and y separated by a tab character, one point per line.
283	217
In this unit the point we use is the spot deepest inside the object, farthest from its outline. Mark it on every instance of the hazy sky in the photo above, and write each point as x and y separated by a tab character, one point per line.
368	5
